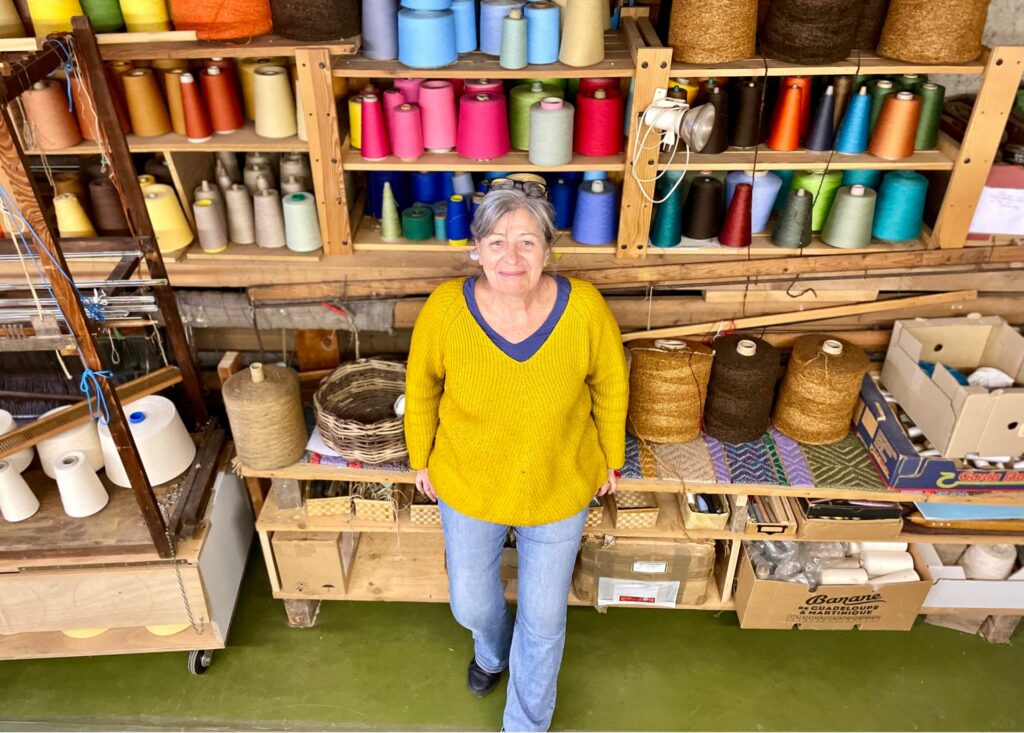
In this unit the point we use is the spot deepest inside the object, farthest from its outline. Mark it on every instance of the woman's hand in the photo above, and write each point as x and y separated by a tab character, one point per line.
424	486
609	486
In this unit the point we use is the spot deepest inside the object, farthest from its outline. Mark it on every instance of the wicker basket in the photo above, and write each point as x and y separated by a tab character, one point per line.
595	516
383	506
633	510
355	411
429	514
327	509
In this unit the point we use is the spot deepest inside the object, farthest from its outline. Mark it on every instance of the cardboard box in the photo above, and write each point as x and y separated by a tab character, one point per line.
632	509
900	465
640	572
952	589
776	604
783	526
314	562
959	420
844	530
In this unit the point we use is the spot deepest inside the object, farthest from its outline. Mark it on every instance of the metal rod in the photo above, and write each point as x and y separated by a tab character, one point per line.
97	284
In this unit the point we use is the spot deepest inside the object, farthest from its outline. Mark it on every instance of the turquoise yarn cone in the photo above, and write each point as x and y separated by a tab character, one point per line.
667	229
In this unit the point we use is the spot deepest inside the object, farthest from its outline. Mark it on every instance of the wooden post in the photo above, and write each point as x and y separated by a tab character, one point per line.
21	187
979	146
320	109
653	66
122	171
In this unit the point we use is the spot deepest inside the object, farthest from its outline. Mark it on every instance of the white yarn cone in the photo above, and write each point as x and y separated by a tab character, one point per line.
81	491
84	438
22	458
17	502
164	444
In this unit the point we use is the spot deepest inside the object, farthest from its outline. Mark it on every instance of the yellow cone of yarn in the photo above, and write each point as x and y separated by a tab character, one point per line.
145	16
72	221
169	223
51	16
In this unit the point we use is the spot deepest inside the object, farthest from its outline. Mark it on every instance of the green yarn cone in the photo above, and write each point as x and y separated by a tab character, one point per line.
390	222
667	228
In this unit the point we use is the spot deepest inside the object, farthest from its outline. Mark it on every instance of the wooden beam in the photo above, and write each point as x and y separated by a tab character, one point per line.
817	314
26	73
230	363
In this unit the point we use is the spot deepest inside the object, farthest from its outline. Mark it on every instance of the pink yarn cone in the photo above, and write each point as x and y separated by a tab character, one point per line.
408	132
375	137
483	127
437	113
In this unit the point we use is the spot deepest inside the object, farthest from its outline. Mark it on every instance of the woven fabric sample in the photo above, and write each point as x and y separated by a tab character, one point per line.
632	467
844	465
717	453
684	461
750	463
793	462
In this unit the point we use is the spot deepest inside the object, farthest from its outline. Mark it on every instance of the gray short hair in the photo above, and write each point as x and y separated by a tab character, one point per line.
498	203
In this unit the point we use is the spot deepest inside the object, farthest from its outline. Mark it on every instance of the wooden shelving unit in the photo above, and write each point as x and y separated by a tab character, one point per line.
863	63
243	140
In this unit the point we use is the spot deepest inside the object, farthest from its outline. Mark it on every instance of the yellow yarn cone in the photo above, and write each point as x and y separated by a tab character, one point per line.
169	223
145	16
83	633
72	221
51	16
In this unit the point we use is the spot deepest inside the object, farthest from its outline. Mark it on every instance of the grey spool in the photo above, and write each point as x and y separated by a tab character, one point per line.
207	191
793	229
224	181
264	408
551	128
295	164
850	218
263	183
229	161
253	171
211	228
241	224
269	219
293	184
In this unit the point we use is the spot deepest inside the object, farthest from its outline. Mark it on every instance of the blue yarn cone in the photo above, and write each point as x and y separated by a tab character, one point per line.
854	131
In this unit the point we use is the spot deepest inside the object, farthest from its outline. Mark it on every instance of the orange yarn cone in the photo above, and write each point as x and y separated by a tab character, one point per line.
804	82
224	105
785	133
88	122
197	120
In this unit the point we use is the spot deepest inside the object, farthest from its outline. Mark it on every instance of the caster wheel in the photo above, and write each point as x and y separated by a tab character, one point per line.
199	661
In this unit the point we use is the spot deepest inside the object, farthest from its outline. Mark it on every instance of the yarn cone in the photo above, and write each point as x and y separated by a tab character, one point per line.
390	221
736	230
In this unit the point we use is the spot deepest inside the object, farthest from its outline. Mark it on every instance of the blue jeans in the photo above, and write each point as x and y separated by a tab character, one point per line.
531	646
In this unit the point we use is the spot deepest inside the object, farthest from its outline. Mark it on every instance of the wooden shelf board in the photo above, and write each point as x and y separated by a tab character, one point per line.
617	63
50	644
866	63
743	159
252	253
244	140
517	160
762	246
117	46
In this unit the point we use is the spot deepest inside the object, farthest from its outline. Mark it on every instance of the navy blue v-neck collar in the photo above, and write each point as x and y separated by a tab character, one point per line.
529	346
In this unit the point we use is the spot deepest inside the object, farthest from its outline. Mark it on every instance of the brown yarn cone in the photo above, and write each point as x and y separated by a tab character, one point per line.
667	388
52	125
108	214
741	389
810	31
712	31
145	105
85	112
894	135
175	104
934	31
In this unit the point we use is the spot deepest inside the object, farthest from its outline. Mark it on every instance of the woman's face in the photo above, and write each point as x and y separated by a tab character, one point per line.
513	255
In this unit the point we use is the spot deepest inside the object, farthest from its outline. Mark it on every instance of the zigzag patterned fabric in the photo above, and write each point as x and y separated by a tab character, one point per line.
632	467
844	465
687	461
795	465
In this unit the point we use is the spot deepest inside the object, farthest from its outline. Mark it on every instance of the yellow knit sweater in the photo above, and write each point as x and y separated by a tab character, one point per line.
516	443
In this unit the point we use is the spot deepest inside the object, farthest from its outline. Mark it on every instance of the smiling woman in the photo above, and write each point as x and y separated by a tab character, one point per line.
516	396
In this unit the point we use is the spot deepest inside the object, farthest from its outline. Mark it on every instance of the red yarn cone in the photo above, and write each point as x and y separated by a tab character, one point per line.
786	125
736	230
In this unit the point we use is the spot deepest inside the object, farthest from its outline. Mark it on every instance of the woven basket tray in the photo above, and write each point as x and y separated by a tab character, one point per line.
425	514
595	515
371	510
336	506
355	411
633	510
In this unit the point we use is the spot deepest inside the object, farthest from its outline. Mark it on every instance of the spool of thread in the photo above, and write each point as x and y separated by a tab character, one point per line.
169	222
211	228
440	210
107	211
988	562
867	178
870	20
513	41
301	223
163	442
823	186
418	223
355	121
900	576
375	143
437	112
72	221
51	122
718	140
17	502
583	33
843	576
786	125
158	168
736	229
275	106
932	98
229	162
11	25
483	86
85	111
252	394
894	135
853	134
52	16
465	25
747	115
295	164
562	195
198	127
741	388
821	135
238	19
410	88
380	29
938	32
269	219
702	213
802	32
241	223
820	390
492	14
426	38
317	20
793	229
175	103
712	32
81	491
551	130
879	562
544	32
145	16
667	225
522	98
900	206
391	100
879	91
595	220
766	186
668	383
426	187
390	221
222	101
69	182
146	180
843	86
246	72
408	128
457	221
804	82
253	173
849	222
19	461
483	127
145	105
462	183
593	83
599	120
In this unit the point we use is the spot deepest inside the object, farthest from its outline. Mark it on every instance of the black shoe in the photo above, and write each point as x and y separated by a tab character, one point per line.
479	681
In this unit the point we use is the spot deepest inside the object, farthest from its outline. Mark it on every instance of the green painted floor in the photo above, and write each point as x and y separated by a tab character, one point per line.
387	666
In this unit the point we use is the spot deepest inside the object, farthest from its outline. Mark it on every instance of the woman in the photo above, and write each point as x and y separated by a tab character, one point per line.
516	400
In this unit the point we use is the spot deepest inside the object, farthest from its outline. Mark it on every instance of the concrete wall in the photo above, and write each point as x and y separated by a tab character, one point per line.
1005	26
